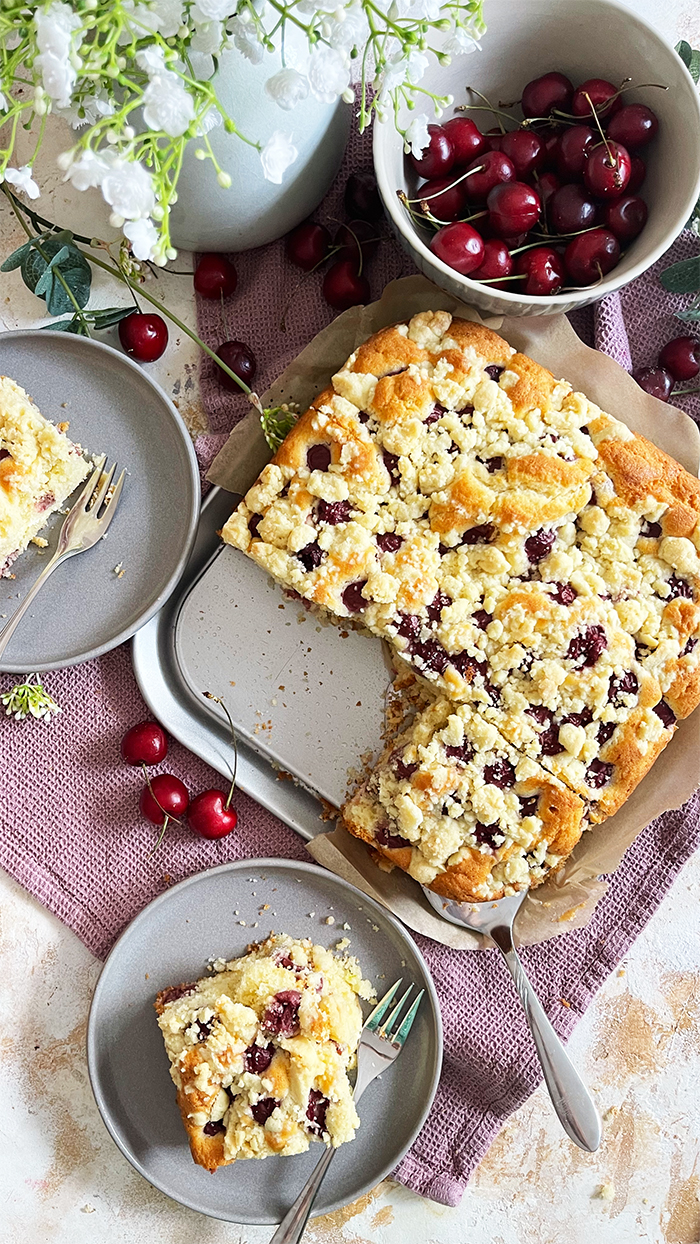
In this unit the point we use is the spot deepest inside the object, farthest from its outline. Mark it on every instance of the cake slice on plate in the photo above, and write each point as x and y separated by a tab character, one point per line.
39	468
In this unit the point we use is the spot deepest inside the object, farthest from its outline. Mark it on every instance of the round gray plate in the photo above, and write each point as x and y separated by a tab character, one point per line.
114	408
171	941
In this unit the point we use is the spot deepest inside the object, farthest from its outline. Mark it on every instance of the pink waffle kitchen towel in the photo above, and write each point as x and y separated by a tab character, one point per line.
70	832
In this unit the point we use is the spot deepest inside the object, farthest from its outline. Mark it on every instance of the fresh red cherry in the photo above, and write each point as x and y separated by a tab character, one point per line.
681	357
215	277
166	796
241	360
607	170
344	287
637	175
526	151
486	171
144	744
494	138
467	140
357	240
634	126
601	94
459	246
497	261
444	200
549	137
209	816
438	157
575	145
655	381
625	217
361	197
513	207
591	255
143	336
572	209
307	245
545	272
543	94
546	185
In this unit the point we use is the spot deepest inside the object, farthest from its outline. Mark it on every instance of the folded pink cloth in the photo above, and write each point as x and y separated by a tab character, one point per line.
70	831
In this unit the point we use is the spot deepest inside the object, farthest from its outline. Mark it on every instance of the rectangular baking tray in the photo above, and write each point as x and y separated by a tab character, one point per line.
307	698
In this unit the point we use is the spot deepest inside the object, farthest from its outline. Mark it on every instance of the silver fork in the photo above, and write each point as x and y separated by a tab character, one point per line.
381	1042
82	528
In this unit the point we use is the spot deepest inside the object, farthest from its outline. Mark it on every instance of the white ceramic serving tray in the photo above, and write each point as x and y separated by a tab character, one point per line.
307	699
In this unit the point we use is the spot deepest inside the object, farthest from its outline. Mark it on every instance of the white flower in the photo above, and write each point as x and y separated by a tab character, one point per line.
85	172
416	66
57	39
277	155
417	136
212	10
4	106
151	59
92	107
167	105
287	88
246	40
209	121
143	236
459	42
207	38
161	16
128	188
21	179
348	28
328	73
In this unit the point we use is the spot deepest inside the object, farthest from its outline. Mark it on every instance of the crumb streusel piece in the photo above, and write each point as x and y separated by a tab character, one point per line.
452	803
259	1052
39	468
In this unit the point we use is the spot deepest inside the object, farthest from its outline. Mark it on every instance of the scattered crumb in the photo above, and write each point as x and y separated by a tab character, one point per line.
311	914
40	542
565	1003
329	920
87	1208
606	1192
347	926
375	927
343	943
265	907
610	1114
621	971
119	570
254	925
243	922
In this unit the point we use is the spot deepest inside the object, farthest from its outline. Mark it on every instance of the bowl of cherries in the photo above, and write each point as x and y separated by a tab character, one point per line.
566	165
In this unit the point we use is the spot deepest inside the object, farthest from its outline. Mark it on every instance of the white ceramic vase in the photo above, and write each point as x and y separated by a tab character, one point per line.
255	211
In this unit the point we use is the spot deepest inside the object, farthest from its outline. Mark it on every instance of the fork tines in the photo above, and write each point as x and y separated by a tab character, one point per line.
388	1027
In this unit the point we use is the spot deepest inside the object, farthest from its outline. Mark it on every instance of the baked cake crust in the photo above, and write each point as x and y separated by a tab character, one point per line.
259	1052
525	552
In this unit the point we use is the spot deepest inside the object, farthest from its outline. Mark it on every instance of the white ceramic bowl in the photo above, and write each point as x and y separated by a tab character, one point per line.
583	39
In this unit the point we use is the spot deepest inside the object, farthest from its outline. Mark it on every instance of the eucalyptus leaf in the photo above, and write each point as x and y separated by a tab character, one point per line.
46	257
682	277
43	285
692	314
694	66
16	258
685	51
109	317
73	325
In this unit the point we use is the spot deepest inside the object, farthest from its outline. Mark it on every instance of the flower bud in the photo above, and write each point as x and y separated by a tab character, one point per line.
224	179
200	153
115	220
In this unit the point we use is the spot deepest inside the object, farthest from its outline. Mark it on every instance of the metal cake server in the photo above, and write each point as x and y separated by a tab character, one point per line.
570	1097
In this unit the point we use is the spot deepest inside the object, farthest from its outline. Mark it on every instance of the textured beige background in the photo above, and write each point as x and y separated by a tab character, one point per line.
63	1181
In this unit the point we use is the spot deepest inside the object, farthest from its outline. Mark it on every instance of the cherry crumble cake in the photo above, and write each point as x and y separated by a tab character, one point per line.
39	468
525	553
259	1052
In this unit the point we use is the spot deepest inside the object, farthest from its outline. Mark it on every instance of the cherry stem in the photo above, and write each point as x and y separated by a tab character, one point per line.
160	836
613	163
684	392
217	699
425	197
516	276
496	111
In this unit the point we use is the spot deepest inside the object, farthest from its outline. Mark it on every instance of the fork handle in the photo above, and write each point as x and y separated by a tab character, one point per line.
10	627
570	1097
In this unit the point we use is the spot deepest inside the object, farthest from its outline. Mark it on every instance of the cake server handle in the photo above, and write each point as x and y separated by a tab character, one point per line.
570	1097
10	627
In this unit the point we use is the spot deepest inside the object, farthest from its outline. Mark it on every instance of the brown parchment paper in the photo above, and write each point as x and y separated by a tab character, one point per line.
566	901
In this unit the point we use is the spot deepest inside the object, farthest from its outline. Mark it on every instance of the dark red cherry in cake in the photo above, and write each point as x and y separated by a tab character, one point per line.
654	380
459	246
343	286
144	744
573	149
307	245
544	269
215	277
467	140
607	170
600	93
438	157
513	207
144	336
241	360
166	796
209	816
634	126
625	217
591	255
681	357
544	94
361	197
485	172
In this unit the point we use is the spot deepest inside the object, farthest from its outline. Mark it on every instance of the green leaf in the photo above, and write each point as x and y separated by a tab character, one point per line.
691	59
15	259
693	313
685	51
109	317
45	281
49	256
682	277
73	325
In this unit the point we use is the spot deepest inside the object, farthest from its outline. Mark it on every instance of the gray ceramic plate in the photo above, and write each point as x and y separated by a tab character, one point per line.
171	941
114	408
